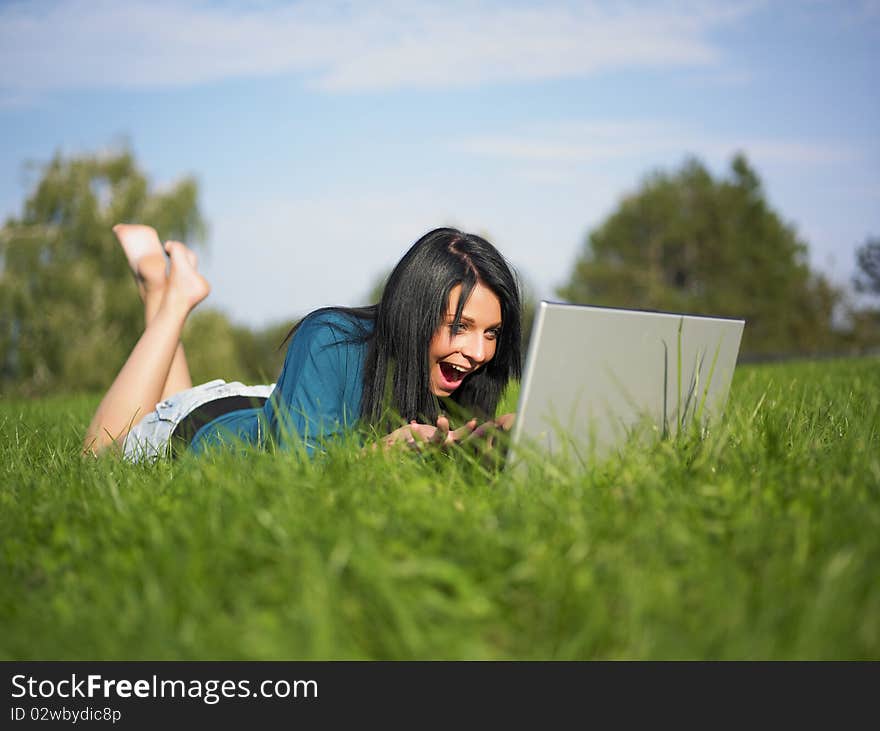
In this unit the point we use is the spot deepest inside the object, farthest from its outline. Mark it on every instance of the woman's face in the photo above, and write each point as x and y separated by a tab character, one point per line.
455	355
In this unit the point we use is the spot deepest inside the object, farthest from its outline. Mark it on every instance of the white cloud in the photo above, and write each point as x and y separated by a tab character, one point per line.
340	46
580	143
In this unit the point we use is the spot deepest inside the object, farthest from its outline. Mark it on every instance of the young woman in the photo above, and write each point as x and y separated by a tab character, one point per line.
445	337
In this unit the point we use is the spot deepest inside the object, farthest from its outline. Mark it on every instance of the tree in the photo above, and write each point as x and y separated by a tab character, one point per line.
867	278
864	317
68	312
686	242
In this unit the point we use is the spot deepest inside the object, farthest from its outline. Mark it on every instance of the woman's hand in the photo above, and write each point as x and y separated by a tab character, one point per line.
482	439
419	436
493	426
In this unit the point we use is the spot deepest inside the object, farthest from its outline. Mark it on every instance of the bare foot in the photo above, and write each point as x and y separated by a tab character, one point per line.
193	259
184	281
144	253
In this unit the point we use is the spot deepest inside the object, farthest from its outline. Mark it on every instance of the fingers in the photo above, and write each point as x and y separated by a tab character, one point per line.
445	436
483	430
463	432
407	434
441	433
418	436
505	421
482	439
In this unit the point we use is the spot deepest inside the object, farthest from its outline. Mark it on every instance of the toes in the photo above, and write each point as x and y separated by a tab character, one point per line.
178	249
181	255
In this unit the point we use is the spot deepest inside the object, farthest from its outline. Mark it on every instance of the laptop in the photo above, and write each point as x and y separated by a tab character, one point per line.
596	376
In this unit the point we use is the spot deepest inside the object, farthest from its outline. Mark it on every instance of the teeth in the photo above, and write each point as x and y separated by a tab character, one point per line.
458	368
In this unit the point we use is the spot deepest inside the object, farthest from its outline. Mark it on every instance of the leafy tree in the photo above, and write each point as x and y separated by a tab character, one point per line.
867	279
69	314
217	354
864	317
218	348
687	242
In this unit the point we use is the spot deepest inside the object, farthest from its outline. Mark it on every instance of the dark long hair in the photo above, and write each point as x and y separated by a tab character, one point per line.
413	306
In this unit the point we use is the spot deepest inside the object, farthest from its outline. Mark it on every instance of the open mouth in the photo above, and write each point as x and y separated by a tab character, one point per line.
452	374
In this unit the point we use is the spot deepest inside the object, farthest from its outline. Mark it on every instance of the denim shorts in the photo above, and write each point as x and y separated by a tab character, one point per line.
150	438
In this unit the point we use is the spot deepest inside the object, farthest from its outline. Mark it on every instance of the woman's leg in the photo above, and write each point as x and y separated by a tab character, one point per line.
138	386
147	260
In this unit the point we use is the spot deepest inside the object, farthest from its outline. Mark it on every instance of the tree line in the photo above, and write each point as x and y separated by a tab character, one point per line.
684	241
688	242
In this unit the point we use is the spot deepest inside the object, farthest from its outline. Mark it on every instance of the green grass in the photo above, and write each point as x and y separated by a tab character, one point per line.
760	542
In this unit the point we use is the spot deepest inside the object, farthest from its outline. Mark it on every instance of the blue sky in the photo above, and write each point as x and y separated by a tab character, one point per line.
327	136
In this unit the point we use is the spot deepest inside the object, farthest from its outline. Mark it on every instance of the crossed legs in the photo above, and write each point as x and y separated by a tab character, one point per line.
147	260
156	367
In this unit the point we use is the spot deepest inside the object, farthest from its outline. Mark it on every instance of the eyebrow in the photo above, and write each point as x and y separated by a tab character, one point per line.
450	317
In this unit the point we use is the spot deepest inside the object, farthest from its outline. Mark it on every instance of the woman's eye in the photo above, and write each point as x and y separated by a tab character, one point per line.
456	329
492	334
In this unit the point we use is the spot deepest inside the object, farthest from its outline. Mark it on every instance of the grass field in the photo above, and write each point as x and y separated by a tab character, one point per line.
760	542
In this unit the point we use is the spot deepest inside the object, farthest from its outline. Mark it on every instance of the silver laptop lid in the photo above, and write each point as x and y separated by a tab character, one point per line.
594	373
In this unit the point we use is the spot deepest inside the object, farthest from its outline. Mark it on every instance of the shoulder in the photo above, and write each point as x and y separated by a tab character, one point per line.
332	326
326	346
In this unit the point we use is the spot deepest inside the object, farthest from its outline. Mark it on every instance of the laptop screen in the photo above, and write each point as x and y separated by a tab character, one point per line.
595	374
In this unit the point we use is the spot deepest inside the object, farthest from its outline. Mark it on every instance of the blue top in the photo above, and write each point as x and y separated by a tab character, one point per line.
317	395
